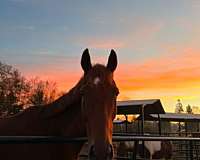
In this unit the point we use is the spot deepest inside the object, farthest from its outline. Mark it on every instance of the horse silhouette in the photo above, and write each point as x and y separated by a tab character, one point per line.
88	109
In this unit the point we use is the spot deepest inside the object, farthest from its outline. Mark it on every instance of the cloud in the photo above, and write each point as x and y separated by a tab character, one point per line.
168	77
104	44
194	4
128	35
17	28
143	34
163	73
17	1
25	28
101	43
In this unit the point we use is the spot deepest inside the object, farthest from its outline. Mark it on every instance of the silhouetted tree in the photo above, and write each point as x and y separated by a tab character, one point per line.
13	90
42	92
17	93
179	107
189	109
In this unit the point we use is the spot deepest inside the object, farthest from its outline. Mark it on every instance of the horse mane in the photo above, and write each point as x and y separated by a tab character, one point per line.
72	97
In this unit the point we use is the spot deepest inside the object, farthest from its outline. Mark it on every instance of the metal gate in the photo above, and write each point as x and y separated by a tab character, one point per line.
185	148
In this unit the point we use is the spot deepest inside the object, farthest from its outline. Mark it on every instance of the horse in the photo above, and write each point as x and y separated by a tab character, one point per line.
151	149
88	109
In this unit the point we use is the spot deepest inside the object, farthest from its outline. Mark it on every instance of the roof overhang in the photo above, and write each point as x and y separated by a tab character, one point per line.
151	106
175	117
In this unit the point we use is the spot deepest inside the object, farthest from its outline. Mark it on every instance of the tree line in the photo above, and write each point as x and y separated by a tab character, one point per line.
179	108
18	92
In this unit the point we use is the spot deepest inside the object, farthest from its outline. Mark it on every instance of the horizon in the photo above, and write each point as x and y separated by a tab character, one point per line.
156	44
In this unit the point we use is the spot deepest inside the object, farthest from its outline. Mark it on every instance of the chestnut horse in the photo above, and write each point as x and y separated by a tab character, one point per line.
88	109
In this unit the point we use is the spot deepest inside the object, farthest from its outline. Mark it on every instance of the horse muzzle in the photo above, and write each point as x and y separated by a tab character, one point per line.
94	154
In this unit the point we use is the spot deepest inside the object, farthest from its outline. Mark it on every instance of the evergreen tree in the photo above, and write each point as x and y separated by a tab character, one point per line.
189	109
179	107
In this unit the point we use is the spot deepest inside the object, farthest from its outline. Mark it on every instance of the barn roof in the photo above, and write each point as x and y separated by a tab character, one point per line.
151	106
173	117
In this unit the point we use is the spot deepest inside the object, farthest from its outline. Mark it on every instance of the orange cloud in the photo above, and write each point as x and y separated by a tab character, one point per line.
168	78
164	73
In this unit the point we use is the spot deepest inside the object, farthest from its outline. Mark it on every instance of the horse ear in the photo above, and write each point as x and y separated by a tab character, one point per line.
112	61
85	61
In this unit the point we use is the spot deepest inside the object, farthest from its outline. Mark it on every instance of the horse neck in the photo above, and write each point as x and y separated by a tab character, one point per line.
65	113
64	102
69	122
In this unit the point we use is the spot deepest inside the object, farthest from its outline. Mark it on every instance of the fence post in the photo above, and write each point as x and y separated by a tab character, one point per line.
191	149
187	147
143	113
159	124
135	149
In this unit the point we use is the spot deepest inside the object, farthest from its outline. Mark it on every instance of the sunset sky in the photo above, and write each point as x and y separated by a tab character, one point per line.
157	43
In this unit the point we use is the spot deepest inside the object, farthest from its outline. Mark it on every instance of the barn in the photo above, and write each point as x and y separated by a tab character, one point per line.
152	120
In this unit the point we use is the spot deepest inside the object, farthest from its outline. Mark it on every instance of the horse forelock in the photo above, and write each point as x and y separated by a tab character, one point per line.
99	74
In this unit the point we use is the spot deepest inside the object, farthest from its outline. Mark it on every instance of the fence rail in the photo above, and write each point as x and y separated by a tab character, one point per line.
62	139
188	148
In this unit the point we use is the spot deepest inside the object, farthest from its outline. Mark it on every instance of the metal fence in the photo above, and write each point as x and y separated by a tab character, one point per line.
185	148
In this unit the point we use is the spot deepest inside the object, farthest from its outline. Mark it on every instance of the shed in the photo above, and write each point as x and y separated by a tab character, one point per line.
141	107
151	106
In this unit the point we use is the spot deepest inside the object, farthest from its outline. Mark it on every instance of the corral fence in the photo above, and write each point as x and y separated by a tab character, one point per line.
184	148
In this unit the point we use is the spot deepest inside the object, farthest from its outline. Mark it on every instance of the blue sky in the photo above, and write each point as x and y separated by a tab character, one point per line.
69	26
46	37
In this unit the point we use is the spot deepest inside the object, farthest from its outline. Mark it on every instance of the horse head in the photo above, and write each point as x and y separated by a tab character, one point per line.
98	105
